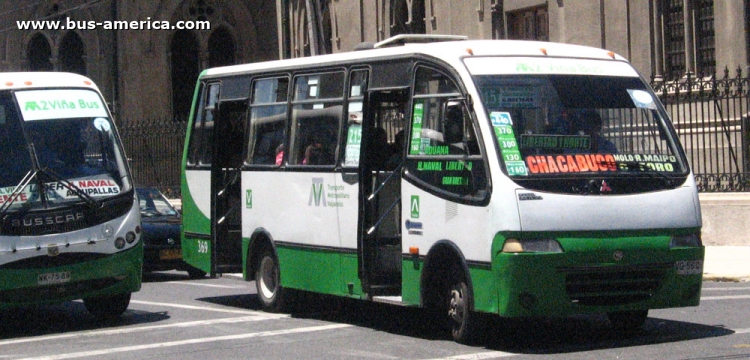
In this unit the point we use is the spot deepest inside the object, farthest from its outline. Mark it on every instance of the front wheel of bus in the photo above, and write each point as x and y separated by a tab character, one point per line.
462	320
267	282
107	307
627	320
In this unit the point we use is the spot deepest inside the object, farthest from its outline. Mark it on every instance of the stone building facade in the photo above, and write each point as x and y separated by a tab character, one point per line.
143	72
664	39
149	73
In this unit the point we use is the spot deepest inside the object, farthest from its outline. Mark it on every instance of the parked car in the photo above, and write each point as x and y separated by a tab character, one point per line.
161	234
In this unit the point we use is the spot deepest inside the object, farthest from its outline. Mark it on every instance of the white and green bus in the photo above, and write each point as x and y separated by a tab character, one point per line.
503	177
69	219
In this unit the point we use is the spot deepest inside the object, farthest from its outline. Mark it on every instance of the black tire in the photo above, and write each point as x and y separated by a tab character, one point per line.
107	307
462	321
195	273
268	282
627	320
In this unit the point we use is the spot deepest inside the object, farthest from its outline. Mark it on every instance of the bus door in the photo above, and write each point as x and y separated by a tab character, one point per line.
379	231
226	235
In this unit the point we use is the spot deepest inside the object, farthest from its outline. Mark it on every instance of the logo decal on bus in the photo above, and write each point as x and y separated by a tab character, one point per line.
317	193
415	206
249	199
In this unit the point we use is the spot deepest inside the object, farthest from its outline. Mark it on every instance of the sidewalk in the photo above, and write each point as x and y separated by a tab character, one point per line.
727	263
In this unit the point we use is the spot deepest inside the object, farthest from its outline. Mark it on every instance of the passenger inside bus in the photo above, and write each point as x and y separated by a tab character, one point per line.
589	122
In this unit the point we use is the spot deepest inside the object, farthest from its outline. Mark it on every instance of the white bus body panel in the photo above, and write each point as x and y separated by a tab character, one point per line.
440	219
199	185
666	209
310	208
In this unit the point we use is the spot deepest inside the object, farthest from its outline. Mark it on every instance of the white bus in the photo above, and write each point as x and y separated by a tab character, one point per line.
69	219
503	177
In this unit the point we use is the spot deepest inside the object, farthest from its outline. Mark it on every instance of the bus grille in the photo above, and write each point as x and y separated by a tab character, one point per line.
613	285
65	290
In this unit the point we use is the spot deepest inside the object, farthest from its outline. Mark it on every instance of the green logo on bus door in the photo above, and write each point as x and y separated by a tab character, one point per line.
249	199
415	206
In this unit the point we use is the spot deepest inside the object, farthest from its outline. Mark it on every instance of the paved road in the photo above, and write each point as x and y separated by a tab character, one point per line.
177	318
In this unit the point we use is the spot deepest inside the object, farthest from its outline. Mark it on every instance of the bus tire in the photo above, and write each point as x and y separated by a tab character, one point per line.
627	320
107	307
268	281
462	321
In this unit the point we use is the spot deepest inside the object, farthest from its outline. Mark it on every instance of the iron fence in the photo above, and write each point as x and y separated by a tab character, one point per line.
711	117
154	150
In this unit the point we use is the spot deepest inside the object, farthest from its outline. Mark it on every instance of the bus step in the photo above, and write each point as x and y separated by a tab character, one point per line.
393	300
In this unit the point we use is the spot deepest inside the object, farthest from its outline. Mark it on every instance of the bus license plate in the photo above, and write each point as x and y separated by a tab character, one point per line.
53	278
688	267
170	254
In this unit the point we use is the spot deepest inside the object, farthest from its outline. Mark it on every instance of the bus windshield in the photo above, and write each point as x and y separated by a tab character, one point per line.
59	148
554	130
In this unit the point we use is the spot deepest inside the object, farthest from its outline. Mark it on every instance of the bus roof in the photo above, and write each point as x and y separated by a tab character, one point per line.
450	51
42	79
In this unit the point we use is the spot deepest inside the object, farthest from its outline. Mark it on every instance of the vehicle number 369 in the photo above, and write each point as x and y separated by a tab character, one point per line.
203	247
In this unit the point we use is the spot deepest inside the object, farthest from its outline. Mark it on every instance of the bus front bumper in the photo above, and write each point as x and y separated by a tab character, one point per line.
561	284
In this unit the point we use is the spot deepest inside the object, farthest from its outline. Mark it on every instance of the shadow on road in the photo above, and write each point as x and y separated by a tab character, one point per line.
521	336
66	317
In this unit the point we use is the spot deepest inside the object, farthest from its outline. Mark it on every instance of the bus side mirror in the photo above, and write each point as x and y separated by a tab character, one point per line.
454	113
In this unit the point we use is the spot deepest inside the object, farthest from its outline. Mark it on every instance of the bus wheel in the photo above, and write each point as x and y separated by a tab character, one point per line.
107	307
267	282
627	320
462	321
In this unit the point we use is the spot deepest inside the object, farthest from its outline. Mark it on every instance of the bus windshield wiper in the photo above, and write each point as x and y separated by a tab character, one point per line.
36	169
70	186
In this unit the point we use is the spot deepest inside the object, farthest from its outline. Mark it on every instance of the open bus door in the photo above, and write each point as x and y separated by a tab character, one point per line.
379	230
226	219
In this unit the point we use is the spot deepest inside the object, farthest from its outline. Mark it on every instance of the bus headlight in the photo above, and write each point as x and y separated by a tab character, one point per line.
689	240
130	237
119	243
532	245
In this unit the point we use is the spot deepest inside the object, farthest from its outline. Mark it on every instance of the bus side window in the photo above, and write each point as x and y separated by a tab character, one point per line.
201	139
316	118
443	149
353	123
268	119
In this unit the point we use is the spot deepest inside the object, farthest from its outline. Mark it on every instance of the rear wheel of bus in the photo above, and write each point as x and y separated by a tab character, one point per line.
107	307
267	281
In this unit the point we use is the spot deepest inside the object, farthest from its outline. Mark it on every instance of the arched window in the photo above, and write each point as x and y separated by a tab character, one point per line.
72	54
185	68
407	17
39	53
221	48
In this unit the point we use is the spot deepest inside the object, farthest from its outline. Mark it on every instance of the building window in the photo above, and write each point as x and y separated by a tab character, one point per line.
705	47
39	53
688	47
529	24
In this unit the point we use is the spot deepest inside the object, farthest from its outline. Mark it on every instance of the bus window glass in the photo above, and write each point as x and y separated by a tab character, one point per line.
443	150
357	88
15	161
560	125
316	118
199	150
74	145
268	119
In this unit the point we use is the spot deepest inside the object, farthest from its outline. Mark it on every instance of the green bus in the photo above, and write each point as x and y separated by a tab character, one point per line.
462	176
70	224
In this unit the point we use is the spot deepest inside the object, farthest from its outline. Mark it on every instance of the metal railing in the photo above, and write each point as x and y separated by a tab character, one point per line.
154	149
711	117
